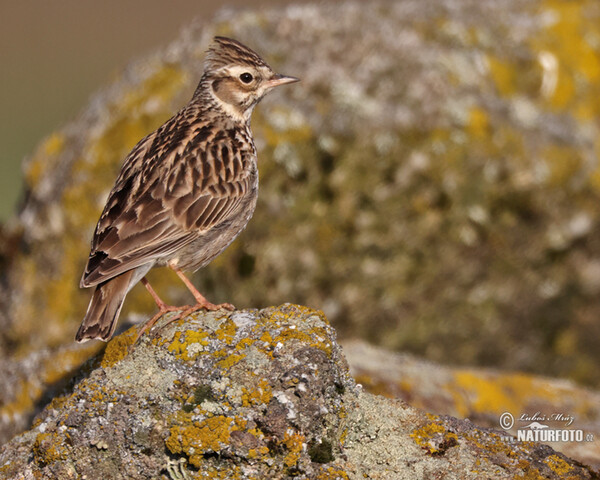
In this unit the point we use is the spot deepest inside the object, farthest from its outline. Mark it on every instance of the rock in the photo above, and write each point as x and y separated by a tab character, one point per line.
28	384
252	394
482	395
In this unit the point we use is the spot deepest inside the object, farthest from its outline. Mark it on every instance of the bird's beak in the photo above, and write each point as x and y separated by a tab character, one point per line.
277	80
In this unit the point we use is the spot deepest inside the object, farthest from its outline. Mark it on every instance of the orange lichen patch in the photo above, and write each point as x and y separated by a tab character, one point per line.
332	473
294	442
49	448
182	342
54	144
258	452
198	438
230	360
501	393
558	465
287	311
226	331
504	74
288	334
595	177
434	438
118	348
261	396
23	401
99	394
266	337
162	85
568	39
281	316
479	123
244	343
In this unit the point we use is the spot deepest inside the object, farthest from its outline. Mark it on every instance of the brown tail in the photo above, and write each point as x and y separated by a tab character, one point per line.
102	314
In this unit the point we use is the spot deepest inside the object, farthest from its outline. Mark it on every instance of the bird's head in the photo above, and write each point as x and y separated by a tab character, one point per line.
237	78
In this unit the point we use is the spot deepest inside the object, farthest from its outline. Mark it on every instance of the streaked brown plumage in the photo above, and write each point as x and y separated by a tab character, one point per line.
185	192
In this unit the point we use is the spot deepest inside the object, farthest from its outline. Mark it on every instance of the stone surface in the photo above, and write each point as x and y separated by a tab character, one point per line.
482	395
252	394
28	383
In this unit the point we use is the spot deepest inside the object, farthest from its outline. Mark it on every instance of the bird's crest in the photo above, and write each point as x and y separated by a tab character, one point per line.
224	52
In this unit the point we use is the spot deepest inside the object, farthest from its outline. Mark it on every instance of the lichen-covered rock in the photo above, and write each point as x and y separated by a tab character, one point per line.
481	395
252	394
438	163
29	383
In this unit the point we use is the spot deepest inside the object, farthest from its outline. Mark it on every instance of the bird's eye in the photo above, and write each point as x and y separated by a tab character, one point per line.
246	77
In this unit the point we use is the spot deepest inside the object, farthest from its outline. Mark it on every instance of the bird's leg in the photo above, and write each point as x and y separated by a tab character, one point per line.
201	301
162	306
162	309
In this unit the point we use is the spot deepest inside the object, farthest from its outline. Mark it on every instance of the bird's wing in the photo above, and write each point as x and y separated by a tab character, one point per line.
164	201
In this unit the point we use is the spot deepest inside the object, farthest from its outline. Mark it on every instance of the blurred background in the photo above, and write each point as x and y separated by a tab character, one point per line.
432	184
55	55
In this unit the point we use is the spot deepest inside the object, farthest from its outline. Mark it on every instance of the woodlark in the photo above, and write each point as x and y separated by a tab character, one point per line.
184	193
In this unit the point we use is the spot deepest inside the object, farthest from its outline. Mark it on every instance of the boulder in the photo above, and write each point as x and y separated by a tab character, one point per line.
252	394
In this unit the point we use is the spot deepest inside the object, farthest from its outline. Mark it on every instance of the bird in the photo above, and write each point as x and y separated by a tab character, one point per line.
184	192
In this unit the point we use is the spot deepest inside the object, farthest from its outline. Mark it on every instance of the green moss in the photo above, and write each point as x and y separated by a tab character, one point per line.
201	393
321	452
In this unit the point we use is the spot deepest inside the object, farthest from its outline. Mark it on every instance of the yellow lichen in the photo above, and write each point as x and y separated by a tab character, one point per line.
180	346
266	337
118	348
54	144
563	163
261	396
557	464
294	443
432	436
48	448
258	452
576	57
478	125
332	473
226	331
230	360
55	368
199	438
501	393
